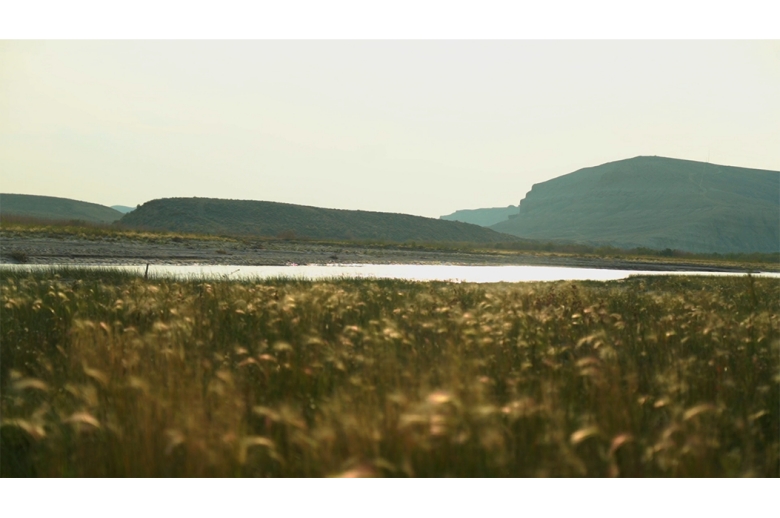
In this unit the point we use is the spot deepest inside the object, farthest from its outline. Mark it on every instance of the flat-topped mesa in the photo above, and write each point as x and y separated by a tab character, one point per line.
658	203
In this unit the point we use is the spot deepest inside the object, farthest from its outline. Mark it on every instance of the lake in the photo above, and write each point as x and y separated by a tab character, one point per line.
416	272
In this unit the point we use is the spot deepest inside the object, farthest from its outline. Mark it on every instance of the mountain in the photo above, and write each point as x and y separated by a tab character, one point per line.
48	207
123	208
658	203
263	218
483	217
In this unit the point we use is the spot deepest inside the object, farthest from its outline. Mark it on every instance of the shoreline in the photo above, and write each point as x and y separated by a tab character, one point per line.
74	251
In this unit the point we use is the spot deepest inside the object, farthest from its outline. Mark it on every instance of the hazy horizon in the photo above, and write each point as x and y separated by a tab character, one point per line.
416	127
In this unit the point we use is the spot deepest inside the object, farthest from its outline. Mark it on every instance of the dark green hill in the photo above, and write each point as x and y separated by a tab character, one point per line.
51	208
482	217
263	218
658	203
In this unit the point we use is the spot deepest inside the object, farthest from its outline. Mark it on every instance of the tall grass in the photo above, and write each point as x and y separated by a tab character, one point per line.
112	375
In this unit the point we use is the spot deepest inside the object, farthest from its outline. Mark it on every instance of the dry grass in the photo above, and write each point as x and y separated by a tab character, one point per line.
19	226
111	375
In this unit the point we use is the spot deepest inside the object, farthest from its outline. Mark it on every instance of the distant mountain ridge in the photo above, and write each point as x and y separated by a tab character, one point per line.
53	208
264	218
658	203
483	217
124	209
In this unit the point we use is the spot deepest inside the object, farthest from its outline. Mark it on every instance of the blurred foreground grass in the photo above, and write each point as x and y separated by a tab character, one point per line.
106	374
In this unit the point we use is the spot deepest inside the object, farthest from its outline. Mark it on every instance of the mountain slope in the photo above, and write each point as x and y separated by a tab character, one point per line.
482	217
49	207
658	203
262	218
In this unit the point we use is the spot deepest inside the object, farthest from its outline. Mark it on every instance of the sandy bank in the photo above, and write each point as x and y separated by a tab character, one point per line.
124	251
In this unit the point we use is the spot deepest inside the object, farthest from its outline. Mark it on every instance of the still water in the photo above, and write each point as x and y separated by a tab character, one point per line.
415	272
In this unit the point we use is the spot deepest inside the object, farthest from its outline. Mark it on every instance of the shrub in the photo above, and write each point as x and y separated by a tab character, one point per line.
19	256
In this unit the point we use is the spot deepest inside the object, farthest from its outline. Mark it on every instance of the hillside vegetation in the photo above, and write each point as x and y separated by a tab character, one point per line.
263	218
657	203
483	217
51	208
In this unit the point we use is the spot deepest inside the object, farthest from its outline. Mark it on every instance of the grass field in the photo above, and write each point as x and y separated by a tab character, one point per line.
106	374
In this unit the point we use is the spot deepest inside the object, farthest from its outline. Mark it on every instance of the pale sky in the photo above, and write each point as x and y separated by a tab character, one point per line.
418	127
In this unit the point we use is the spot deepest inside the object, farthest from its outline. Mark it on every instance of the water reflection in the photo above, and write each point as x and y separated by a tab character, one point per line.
417	272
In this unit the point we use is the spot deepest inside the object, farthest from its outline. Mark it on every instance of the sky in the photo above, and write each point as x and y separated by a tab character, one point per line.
423	127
